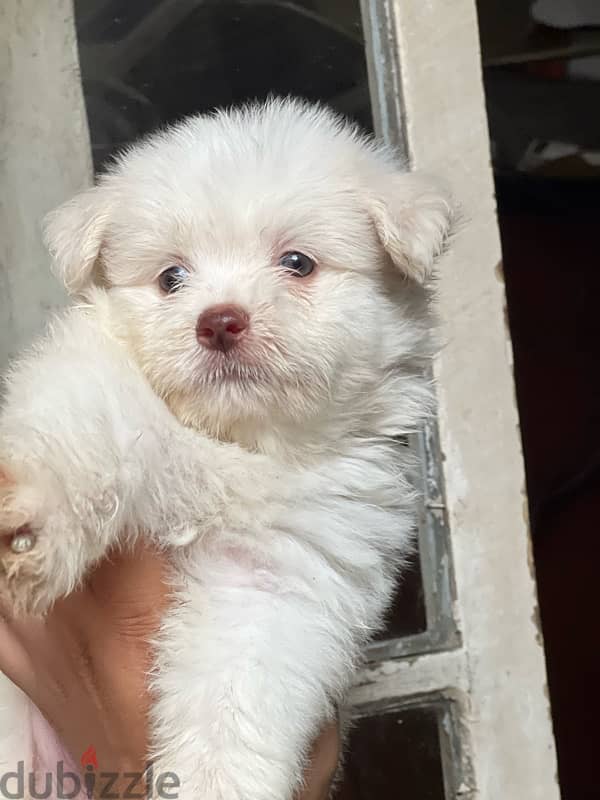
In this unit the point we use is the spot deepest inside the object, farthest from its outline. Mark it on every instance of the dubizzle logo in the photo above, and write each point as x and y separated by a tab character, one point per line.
92	783
89	762
89	758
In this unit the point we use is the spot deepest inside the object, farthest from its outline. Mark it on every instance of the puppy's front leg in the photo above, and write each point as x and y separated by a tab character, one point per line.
63	435
88	455
246	677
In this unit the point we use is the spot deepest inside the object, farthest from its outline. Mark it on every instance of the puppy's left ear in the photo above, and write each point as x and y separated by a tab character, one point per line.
74	233
413	217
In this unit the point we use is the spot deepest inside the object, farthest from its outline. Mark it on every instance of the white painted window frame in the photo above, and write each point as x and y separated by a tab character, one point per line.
485	669
481	662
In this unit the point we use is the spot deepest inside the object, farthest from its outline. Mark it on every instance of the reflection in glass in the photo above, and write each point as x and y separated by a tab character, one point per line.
146	62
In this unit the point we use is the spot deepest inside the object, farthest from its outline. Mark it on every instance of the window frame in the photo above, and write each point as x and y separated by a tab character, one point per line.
485	662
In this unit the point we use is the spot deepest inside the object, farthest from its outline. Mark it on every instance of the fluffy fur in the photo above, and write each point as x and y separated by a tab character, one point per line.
272	472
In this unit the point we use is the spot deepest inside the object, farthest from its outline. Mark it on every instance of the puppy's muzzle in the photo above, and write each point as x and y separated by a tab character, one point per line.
222	327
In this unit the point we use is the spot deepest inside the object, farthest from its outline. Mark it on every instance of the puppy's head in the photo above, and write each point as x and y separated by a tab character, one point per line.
266	264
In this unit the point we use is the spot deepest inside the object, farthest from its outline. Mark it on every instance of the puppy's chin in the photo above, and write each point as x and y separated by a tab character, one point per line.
235	401
240	369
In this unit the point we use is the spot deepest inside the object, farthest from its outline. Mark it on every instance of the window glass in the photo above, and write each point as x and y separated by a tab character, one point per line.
395	755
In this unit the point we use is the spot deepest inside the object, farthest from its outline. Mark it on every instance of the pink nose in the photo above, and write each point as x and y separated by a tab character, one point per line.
221	327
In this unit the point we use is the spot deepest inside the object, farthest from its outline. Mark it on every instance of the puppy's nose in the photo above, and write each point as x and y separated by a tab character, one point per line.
221	327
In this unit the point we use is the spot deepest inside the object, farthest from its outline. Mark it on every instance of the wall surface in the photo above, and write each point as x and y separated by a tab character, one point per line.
44	156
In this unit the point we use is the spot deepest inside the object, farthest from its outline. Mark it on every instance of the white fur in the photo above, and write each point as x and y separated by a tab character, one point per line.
271	472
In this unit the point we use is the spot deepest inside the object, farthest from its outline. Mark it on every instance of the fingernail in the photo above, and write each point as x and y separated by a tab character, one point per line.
22	542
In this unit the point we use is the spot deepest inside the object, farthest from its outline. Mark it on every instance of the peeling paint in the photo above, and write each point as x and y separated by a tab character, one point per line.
537	623
506	319
525	506
530	556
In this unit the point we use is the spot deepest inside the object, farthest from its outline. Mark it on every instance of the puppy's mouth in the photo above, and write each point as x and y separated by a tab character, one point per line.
230	370
238	365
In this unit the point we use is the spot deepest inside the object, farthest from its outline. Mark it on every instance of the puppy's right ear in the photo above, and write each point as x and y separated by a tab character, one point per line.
74	233
414	218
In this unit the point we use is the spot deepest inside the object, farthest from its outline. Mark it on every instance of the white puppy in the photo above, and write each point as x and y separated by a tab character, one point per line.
250	336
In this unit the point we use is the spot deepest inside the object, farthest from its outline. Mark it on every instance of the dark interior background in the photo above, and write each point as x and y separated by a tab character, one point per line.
542	80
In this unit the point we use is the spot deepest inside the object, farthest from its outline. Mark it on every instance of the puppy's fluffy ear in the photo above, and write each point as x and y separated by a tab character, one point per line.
413	217
74	234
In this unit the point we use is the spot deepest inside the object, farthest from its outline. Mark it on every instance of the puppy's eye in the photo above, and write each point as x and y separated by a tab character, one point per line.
297	263
172	279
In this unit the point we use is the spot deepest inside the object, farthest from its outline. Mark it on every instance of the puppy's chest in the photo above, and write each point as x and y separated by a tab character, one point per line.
306	523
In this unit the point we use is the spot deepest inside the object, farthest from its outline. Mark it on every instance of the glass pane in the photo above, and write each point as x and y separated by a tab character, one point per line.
395	755
149	62
146	62
407	615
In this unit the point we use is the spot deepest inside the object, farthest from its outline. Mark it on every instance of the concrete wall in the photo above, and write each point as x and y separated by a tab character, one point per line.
44	156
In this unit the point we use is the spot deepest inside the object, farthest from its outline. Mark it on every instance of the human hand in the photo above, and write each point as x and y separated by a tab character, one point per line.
85	666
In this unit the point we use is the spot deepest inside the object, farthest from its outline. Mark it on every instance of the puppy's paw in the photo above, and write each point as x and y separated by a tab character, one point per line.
31	573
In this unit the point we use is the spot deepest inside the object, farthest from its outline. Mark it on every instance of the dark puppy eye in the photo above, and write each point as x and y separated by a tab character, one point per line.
172	279
297	263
